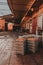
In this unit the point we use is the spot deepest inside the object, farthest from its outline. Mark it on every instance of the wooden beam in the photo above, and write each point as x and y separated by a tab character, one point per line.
32	2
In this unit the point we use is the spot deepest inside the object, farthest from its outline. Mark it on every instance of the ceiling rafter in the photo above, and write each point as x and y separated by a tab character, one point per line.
19	8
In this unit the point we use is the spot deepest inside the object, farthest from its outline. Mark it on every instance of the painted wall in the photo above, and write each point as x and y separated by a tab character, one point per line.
37	21
34	25
10	26
2	24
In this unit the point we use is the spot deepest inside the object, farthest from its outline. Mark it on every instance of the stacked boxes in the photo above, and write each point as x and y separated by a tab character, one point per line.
33	44
20	48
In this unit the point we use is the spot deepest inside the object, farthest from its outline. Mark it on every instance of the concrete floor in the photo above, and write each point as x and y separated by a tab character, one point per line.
8	54
6	48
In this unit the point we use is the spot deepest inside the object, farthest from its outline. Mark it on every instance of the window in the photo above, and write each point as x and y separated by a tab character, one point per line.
4	8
